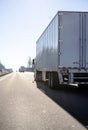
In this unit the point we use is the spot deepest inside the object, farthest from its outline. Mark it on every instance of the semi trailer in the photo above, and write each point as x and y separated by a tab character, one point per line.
62	50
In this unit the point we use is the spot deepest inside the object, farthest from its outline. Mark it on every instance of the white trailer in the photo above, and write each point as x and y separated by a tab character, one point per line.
62	50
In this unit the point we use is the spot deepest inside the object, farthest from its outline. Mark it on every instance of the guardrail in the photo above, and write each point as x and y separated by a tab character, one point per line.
3	73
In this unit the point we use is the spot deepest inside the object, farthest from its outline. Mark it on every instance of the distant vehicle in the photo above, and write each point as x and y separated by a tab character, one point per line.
62	50
22	69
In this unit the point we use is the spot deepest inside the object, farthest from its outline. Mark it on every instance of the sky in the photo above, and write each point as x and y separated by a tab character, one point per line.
23	21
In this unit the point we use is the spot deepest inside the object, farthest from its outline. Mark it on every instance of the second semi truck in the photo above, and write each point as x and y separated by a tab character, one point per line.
62	50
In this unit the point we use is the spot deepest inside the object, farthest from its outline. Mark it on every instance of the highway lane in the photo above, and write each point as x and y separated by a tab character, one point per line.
24	107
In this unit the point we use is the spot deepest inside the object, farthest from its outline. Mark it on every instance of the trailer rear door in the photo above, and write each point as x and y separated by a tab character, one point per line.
70	39
86	39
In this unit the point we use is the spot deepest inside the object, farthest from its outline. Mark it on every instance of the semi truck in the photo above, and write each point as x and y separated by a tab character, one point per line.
62	50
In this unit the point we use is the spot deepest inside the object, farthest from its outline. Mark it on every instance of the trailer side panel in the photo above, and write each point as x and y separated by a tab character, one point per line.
47	48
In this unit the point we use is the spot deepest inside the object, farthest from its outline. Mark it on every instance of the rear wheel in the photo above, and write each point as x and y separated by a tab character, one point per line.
38	76
53	80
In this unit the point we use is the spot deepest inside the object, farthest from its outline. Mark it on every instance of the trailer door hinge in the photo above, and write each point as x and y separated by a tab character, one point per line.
60	27
75	62
59	53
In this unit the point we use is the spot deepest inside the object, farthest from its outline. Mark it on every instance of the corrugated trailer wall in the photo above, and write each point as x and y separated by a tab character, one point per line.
47	48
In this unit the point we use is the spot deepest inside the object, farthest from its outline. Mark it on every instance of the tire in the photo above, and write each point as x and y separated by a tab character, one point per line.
38	76
51	81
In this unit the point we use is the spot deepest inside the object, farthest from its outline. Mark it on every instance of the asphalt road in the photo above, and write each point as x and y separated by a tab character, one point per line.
27	105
